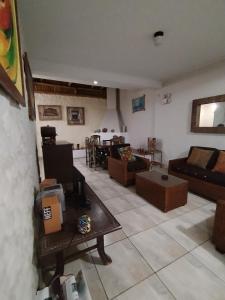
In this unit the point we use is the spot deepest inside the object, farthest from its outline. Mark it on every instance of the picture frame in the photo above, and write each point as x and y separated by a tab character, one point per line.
11	71
29	88
75	115
138	104
49	112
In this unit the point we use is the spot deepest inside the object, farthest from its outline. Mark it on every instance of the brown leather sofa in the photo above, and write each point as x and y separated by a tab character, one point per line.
204	182
125	171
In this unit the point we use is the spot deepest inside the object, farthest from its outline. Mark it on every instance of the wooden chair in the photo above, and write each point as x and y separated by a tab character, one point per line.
94	141
125	171
153	151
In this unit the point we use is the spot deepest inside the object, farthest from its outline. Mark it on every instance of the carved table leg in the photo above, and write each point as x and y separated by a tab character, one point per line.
101	251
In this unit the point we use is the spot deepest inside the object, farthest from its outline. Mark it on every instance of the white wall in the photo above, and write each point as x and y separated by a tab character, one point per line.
94	110
18	179
111	120
140	125
171	123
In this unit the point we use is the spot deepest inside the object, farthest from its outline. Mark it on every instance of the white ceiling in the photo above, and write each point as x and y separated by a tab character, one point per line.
111	40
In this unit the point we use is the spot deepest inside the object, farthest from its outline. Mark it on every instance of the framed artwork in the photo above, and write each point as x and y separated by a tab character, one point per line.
75	116
138	104
49	112
29	88
11	74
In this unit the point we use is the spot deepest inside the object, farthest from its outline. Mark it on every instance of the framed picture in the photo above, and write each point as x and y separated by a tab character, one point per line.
138	104
75	116
49	112
29	88
11	74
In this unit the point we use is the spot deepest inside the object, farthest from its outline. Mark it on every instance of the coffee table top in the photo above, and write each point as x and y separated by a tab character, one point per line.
102	222
156	177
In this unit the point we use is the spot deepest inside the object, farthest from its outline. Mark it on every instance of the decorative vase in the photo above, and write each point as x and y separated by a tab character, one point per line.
84	224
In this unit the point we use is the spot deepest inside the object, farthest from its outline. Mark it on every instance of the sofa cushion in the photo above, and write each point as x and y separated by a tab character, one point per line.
220	164
212	161
217	178
126	154
114	150
199	157
136	165
202	174
189	170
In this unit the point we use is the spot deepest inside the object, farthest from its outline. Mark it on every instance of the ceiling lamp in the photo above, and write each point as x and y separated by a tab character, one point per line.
158	37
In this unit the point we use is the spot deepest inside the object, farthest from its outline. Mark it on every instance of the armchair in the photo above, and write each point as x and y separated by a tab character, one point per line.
125	171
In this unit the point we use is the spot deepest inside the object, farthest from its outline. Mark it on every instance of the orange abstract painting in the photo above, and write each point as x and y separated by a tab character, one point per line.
10	57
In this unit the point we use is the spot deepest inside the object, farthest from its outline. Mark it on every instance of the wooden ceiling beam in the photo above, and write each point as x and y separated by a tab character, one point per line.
47	86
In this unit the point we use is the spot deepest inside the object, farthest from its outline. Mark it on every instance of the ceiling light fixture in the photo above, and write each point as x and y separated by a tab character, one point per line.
158	37
95	82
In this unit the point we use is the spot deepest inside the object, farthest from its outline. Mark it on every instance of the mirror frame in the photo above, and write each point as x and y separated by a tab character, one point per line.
195	116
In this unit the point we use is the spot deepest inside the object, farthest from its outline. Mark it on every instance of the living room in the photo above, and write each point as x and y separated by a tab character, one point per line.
168	55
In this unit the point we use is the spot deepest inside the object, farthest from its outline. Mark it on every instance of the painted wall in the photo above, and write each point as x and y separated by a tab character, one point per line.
18	179
110	119
94	111
140	125
170	123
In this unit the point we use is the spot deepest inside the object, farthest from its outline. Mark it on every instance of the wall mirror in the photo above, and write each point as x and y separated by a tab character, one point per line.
208	115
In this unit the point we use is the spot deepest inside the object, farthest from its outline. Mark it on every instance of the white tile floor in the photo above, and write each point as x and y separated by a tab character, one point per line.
156	255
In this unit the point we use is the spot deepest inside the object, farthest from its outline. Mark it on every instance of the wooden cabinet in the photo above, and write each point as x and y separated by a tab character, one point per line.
58	161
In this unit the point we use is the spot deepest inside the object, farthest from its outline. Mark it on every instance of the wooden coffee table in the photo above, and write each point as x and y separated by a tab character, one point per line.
164	194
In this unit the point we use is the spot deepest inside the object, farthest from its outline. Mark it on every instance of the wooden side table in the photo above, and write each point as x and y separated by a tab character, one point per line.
153	154
52	249
219	227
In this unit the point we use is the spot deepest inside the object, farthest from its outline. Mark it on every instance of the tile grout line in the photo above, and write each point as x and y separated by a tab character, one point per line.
155	272
98	275
166	286
133	286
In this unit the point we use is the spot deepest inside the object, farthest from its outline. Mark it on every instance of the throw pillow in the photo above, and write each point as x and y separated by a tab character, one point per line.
220	164
199	157
126	154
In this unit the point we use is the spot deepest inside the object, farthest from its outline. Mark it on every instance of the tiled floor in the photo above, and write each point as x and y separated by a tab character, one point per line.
156	255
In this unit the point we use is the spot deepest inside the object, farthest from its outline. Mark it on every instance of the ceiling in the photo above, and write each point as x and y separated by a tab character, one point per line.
111	40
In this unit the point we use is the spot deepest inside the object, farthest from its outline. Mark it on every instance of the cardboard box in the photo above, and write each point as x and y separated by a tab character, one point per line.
51	210
47	182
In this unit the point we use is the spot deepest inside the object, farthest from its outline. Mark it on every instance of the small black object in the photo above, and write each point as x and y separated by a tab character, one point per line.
164	177
159	33
48	134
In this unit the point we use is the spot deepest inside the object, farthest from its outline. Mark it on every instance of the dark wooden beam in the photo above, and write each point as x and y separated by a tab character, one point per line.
47	86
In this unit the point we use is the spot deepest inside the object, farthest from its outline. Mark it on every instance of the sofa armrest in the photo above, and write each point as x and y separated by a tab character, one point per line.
175	162
146	160
117	165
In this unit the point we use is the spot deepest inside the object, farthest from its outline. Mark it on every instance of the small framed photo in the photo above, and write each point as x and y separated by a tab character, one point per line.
75	115
138	104
49	112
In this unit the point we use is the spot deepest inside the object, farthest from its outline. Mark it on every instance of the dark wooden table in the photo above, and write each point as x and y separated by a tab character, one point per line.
164	194
53	248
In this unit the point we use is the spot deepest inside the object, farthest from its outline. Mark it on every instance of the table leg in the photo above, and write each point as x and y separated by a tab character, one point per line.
55	281
101	251
59	264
